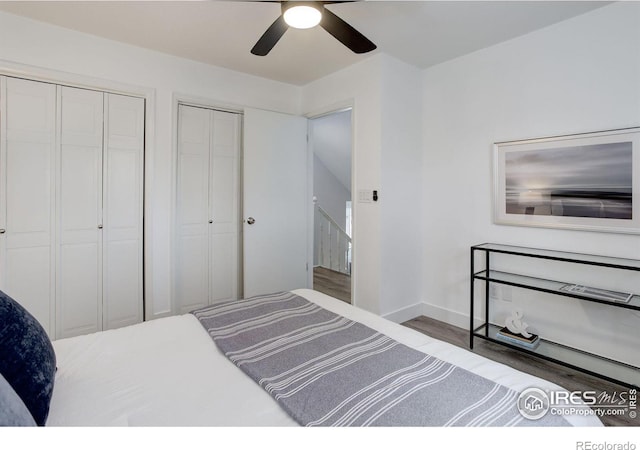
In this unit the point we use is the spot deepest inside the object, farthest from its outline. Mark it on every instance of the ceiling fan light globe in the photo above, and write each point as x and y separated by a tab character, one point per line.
302	16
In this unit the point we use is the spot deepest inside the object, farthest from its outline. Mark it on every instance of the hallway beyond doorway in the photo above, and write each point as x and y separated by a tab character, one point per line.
332	283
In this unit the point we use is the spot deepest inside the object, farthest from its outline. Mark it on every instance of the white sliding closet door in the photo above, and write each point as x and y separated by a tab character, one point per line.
192	242
100	211
79	268
122	220
207	221
225	193
71	202
27	143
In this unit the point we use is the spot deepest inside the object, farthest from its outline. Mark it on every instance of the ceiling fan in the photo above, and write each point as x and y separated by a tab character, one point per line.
308	15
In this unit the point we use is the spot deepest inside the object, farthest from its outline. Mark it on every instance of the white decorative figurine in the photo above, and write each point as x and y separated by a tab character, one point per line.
515	324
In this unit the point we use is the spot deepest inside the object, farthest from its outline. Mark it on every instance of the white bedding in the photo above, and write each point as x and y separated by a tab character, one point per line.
168	372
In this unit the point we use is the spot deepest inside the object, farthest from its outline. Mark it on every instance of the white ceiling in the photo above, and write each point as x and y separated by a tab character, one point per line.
222	33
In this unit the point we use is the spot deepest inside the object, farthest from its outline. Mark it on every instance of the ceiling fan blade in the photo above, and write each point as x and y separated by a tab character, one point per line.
270	37
345	33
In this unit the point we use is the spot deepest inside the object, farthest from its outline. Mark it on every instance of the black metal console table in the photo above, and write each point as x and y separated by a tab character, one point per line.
608	369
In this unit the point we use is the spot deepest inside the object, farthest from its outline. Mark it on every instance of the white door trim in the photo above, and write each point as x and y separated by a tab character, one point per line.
17	70
337	107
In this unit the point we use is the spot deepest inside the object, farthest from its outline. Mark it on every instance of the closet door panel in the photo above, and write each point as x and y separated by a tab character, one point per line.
192	210
224	205
224	273
225	188
225	192
79	268
122	232
28	186
28	281
78	284
122	305
27	128
80	194
29	193
122	194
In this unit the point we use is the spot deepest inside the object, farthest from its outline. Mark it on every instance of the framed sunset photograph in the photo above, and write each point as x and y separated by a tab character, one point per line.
585	182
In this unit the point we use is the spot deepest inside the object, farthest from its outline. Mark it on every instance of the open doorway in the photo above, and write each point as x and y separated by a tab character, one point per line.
330	139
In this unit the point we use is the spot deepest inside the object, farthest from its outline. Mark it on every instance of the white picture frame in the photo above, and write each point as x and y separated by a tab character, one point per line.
588	182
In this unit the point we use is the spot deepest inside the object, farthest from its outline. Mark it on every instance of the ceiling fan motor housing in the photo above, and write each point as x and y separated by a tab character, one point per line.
302	15
288	5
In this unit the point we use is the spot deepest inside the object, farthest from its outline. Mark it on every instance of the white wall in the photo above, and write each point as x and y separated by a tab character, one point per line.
386	99
358	86
576	76
401	227
28	42
332	196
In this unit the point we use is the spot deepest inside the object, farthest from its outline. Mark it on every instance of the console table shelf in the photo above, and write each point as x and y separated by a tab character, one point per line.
603	367
548	286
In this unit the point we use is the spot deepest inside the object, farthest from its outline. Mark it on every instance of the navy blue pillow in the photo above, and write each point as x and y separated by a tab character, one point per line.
27	359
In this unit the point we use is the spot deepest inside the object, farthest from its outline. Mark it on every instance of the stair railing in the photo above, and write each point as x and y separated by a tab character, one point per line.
333	244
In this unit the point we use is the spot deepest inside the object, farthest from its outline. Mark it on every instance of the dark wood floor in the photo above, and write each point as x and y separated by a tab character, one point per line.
332	283
570	379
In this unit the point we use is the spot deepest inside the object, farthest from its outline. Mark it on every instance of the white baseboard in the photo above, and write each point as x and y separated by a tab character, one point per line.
406	313
449	316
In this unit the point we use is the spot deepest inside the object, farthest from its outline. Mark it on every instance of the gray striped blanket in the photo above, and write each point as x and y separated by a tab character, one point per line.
326	370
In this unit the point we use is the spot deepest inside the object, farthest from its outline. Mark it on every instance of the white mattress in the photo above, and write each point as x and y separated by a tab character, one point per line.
168	372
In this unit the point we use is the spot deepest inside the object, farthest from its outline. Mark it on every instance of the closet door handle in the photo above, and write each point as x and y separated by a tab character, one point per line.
211	221
100	227
2	231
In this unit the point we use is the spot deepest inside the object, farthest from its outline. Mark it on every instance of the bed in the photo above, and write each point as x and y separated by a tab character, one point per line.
169	372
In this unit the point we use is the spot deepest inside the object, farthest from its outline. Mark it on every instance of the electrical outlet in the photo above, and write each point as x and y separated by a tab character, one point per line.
494	291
